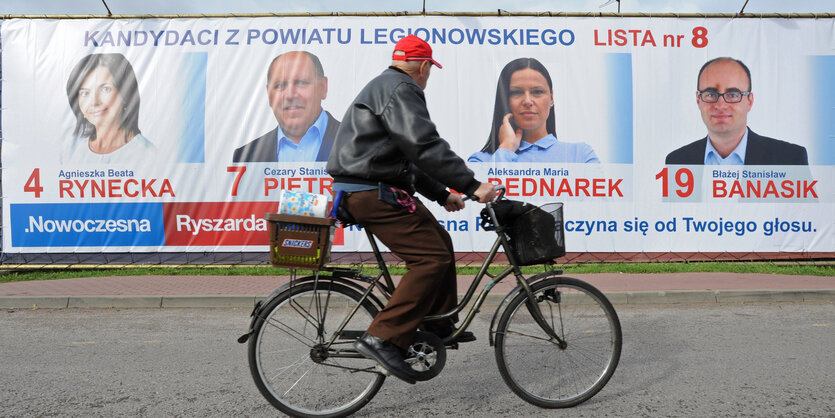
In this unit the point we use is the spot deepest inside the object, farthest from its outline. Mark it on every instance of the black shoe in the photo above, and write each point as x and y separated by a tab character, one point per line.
387	354
464	337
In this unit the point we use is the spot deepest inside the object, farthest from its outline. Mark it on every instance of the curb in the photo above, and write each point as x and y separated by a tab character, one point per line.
721	296
492	301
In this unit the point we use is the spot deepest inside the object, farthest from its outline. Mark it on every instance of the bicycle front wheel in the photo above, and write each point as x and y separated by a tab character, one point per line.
291	362
536	366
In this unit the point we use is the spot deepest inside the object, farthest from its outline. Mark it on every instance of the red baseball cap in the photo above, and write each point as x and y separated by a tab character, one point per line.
412	48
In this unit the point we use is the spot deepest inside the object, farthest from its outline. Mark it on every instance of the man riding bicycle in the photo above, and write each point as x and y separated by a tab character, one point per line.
386	149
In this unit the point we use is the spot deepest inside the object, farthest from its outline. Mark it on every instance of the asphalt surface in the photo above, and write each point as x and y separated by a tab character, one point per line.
245	291
678	360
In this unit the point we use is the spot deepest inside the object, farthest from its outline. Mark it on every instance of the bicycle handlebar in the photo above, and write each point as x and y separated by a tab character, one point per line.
497	187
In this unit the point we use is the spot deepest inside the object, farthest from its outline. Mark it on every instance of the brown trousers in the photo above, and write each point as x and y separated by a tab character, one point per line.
429	285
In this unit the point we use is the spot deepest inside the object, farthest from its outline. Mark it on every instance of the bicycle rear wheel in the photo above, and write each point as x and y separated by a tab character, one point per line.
535	367
291	363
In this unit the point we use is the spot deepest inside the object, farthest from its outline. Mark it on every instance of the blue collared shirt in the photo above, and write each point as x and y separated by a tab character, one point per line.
351	187
736	157
308	148
546	150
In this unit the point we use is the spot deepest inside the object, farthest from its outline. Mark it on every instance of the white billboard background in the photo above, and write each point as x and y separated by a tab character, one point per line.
38	56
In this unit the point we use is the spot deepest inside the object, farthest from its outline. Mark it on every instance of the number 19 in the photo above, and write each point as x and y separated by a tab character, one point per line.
684	180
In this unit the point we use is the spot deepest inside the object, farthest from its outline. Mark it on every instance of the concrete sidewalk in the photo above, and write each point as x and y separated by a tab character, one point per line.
244	291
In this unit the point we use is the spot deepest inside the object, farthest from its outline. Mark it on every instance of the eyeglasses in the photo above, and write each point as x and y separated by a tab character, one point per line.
730	96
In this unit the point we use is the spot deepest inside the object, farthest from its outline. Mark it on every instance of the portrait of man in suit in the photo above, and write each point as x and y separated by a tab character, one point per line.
724	98
296	86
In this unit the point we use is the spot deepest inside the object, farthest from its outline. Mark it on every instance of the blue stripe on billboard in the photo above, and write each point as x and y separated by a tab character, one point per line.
87	224
823	145
192	140
620	107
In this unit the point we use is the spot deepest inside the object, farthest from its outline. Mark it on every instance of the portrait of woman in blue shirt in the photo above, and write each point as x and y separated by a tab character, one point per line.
524	127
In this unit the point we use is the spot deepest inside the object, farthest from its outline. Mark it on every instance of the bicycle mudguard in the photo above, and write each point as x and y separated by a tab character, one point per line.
511	295
260	305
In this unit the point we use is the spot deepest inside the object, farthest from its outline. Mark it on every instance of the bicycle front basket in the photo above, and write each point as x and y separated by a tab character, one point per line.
299	241
536	236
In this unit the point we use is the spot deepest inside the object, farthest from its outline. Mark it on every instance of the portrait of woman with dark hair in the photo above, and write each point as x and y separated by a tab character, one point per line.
524	127
104	96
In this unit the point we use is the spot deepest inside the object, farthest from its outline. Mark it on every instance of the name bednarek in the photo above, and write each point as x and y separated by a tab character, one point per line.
579	187
40	224
196	225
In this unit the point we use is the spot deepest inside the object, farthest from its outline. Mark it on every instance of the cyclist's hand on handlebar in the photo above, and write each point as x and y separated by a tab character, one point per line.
453	203
486	192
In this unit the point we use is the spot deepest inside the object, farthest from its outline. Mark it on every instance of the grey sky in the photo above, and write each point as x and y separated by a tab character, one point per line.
35	7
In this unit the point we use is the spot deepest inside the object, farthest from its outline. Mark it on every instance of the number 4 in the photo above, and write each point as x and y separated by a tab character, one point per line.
34	183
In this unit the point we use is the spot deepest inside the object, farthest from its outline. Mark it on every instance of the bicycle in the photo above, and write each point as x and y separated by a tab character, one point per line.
557	340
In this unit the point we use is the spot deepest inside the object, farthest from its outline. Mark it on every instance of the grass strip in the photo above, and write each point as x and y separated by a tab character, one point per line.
63	272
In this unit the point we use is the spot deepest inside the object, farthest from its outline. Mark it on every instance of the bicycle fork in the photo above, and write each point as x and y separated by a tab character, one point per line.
533	307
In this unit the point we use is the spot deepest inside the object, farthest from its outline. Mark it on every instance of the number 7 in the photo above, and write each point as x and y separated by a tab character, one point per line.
236	169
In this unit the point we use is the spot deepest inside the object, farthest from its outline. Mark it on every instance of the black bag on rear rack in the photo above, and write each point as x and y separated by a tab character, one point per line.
535	233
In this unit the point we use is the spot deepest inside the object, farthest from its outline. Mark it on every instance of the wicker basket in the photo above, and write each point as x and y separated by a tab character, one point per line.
299	241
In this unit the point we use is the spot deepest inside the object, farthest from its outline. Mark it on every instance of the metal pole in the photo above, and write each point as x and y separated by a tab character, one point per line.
106	7
743	7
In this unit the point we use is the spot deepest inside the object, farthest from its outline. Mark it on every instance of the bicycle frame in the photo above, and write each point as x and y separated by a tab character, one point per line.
305	354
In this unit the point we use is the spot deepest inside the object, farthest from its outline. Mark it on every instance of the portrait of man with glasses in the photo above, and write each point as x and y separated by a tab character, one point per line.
724	98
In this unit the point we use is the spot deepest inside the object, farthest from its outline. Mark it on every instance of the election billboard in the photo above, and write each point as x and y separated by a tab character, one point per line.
177	135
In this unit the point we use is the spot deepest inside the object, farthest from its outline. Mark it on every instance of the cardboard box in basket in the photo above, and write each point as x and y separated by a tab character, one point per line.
301	203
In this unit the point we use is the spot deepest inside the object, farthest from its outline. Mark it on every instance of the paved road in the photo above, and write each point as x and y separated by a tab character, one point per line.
770	359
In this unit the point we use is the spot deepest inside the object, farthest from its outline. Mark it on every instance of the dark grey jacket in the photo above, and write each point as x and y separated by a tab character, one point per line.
760	150
387	135
265	147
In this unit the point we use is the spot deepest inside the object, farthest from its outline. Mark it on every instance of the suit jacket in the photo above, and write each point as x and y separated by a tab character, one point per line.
760	150
265	148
